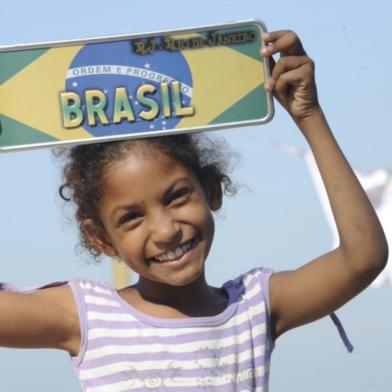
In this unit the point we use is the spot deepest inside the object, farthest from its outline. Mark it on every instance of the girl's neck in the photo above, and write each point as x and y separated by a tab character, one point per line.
194	299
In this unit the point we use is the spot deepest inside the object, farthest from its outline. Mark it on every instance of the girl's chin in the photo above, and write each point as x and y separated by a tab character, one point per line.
177	278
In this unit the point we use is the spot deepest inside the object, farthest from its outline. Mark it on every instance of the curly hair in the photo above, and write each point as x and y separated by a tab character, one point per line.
84	171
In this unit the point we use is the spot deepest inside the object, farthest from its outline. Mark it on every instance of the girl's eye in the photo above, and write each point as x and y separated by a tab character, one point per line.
180	195
129	217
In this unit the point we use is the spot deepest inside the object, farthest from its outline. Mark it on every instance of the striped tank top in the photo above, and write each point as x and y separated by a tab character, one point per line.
123	349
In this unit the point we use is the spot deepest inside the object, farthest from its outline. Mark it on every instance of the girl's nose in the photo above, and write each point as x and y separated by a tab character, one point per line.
165	231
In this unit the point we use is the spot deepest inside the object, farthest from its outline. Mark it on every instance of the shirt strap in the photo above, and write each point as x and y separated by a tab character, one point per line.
29	289
342	332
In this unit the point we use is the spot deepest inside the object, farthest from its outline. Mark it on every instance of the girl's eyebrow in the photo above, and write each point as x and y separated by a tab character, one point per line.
132	206
174	183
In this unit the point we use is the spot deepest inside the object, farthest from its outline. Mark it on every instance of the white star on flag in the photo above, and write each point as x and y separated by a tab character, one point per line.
147	65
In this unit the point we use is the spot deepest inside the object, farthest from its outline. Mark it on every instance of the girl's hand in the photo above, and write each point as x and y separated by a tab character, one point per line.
292	76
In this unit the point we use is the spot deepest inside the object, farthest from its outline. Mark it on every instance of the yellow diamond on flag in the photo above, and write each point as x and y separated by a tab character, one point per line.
31	96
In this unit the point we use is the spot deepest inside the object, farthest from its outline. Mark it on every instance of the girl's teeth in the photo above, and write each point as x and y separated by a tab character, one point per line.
171	255
176	253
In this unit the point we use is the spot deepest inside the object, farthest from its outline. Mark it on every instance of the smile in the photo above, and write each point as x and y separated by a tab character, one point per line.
175	253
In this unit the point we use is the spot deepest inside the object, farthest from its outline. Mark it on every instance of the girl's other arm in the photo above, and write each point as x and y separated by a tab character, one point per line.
323	285
46	318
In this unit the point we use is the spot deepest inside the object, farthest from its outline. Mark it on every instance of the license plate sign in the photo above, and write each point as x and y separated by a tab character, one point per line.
139	85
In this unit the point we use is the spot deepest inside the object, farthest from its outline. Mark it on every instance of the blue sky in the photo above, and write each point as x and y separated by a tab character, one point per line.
274	221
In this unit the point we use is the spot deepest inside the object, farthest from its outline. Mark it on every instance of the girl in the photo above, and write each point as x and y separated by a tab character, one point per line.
150	202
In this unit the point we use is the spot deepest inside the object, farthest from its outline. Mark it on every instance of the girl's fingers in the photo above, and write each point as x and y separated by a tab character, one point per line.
289	63
295	88
287	79
272	64
285	42
297	64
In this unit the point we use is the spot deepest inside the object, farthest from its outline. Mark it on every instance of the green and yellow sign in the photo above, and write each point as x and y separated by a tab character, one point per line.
133	86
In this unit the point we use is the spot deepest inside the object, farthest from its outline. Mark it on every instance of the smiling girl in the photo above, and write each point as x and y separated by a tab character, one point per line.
151	202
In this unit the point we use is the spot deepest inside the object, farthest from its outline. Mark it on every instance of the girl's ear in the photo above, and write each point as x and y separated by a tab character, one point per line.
212	187
99	238
215	196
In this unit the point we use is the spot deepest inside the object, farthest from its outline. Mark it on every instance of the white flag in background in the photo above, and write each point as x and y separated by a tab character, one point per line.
378	186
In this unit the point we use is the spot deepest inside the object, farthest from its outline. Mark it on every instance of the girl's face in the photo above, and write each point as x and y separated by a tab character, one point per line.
157	218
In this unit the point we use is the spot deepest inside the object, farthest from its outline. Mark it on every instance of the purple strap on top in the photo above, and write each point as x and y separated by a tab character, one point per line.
342	332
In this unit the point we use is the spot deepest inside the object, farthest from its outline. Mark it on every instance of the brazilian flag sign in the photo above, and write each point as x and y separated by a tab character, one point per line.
133	86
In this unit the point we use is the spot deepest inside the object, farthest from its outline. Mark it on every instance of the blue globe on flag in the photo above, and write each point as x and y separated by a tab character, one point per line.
106	67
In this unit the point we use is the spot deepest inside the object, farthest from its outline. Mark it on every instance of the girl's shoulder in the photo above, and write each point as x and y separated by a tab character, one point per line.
38	316
52	315
64	287
252	284
255	277
91	286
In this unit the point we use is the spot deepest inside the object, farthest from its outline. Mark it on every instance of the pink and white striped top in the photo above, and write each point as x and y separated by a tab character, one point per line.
123	349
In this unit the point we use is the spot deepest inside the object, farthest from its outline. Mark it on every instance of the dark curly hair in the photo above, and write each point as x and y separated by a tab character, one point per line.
85	167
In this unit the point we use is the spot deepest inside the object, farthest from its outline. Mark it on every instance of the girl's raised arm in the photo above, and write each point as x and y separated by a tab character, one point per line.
45	318
321	286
